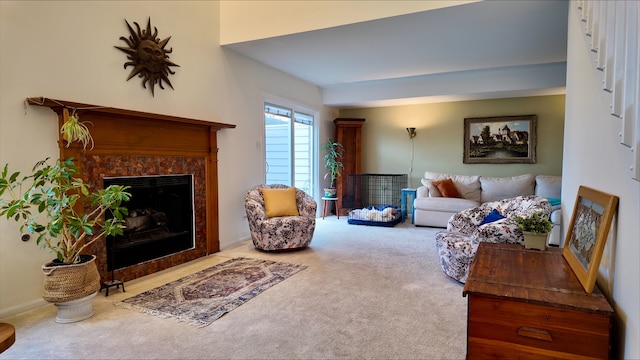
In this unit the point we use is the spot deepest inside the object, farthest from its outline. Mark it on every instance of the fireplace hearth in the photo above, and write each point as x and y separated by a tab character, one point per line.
160	220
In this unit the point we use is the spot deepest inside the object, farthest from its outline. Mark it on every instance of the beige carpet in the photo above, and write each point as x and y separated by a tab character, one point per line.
368	293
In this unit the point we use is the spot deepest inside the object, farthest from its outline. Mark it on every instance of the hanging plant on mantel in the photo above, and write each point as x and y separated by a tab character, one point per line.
72	129
75	130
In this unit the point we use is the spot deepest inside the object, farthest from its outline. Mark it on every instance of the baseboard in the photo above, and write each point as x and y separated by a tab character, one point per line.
22	307
233	244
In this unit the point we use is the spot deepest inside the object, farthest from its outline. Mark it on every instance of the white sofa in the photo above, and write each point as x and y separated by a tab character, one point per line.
432	209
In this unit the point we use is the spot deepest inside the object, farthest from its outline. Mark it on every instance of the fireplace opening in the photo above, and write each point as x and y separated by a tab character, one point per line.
160	220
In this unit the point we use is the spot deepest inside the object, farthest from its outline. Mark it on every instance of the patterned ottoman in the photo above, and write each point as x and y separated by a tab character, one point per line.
456	251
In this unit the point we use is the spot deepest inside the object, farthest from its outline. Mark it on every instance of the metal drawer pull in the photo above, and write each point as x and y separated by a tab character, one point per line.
534	333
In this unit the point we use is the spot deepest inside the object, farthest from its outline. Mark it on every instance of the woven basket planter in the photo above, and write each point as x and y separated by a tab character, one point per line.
64	283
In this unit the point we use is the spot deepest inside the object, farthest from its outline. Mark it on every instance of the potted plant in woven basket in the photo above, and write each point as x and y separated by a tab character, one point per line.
535	229
333	152
57	207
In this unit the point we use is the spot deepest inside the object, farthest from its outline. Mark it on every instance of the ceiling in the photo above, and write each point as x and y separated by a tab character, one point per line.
500	49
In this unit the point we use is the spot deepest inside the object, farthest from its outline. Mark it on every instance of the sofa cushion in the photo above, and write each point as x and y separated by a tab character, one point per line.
499	188
468	185
447	188
548	186
450	205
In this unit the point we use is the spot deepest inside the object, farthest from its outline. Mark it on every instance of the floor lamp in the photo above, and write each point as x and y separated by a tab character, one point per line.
412	134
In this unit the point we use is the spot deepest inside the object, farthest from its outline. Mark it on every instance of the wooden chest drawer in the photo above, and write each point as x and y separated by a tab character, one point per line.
498	328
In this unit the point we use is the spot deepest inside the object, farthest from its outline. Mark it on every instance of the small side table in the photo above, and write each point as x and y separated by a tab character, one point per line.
326	201
7	336
412	195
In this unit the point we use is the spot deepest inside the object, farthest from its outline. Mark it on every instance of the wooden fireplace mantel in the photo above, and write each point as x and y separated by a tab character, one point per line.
135	130
148	139
58	105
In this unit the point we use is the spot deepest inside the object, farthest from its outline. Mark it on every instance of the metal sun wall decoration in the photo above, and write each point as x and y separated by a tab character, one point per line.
148	56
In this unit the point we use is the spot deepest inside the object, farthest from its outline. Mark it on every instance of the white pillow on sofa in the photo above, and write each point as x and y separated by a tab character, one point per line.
433	190
499	188
468	185
549	186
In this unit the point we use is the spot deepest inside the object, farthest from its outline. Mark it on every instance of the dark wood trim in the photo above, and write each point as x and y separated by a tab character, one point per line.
213	244
57	105
349	134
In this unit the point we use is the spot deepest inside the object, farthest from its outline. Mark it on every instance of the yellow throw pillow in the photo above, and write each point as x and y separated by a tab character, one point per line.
280	202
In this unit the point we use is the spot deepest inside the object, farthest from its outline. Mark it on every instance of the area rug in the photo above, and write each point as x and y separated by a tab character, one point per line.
203	297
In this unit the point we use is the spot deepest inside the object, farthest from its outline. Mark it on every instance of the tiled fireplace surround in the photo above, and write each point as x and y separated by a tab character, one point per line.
96	167
132	143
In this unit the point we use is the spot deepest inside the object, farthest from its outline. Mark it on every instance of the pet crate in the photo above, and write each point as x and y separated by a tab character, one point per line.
375	216
374	199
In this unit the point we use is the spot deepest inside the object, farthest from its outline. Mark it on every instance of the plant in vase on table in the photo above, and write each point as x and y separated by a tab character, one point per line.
535	229
333	153
58	207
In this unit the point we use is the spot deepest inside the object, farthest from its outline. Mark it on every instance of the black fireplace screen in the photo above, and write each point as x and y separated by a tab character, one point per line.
160	220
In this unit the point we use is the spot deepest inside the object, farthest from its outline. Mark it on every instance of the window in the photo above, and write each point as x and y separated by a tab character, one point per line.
289	146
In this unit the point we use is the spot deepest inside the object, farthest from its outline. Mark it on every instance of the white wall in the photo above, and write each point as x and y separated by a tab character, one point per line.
65	50
594	157
283	17
438	145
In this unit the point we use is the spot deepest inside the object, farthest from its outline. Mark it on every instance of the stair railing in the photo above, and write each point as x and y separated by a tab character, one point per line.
613	30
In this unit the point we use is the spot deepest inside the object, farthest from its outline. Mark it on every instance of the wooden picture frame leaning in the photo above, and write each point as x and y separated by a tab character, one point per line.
500	140
587	234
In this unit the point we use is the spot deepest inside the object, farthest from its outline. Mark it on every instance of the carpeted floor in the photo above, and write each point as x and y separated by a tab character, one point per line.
367	292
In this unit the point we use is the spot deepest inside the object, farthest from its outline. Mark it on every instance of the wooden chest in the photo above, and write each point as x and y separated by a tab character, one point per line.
529	304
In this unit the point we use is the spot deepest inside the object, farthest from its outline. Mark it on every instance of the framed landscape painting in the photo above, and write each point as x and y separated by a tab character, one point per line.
500	140
587	235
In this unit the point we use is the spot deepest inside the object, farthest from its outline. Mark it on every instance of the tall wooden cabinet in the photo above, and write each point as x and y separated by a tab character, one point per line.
349	134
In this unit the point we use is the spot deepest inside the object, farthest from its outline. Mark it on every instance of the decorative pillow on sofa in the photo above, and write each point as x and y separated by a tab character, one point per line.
433	190
447	188
494	215
467	185
554	201
549	186
280	202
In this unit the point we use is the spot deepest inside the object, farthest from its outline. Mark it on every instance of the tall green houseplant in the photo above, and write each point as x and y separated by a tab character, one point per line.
333	153
58	207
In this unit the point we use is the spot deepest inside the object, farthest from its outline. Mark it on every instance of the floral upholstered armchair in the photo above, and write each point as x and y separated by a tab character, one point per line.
503	229
489	222
287	229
